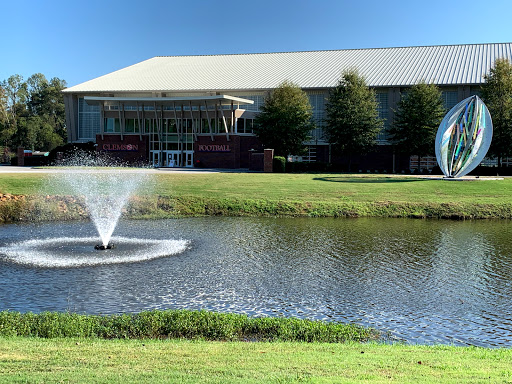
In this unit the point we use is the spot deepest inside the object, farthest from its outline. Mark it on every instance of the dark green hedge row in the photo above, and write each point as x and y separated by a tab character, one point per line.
179	324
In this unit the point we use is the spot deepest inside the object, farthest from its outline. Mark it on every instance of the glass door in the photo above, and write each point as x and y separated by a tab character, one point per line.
173	159
155	159
189	158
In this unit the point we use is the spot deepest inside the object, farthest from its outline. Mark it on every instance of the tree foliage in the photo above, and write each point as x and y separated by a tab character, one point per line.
352	117
32	112
417	118
4	113
497	95
284	122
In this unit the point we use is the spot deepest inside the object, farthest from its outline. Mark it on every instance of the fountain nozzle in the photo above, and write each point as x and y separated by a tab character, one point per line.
102	247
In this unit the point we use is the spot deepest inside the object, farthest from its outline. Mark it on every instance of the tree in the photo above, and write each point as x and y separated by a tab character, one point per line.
352	117
4	151
497	95
4	115
3	106
14	95
32	113
15	90
417	119
284	122
46	101
37	133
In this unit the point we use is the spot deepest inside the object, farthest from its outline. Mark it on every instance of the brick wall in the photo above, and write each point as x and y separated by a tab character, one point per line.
20	155
219	153
268	159
131	149
248	145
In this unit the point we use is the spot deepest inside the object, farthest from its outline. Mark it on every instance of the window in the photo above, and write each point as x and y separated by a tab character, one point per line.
317	101
383	110
240	125
204	126
131	126
112	125
258	102
171	126
89	118
249	125
450	99
245	125
150	125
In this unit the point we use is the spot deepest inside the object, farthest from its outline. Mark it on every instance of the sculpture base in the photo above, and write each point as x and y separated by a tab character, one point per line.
463	178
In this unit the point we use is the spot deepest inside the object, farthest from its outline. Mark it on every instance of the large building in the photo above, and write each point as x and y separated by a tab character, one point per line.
199	110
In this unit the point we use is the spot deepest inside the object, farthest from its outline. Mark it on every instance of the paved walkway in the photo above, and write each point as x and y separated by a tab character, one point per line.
15	169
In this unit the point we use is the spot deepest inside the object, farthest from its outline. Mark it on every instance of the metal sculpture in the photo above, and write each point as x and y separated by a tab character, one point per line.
464	137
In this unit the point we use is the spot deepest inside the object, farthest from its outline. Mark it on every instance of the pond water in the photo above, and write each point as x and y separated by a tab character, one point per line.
422	281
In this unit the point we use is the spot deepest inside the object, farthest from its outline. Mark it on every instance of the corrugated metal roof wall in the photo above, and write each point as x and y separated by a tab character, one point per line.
382	67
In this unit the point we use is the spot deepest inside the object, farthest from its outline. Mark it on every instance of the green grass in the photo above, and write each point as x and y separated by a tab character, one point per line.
22	183
332	188
297	187
180	324
75	360
259	194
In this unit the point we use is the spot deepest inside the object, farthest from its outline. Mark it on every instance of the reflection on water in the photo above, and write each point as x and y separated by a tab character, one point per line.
423	281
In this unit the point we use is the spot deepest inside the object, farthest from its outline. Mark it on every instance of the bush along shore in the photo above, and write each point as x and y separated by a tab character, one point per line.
20	208
180	324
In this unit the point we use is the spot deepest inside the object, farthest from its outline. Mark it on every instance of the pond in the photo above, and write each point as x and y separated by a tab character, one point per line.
422	281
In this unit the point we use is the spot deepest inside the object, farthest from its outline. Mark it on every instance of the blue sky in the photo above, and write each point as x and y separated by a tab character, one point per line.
80	40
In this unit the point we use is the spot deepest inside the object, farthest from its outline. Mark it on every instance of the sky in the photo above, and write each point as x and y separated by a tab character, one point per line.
80	40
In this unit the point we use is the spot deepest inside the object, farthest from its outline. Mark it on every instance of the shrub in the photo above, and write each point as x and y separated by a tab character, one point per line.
279	164
301	167
179	324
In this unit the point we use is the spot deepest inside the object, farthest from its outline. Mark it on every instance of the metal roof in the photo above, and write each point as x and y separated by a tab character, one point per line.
381	67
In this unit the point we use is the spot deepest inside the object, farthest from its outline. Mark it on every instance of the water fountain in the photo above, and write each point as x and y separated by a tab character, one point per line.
105	188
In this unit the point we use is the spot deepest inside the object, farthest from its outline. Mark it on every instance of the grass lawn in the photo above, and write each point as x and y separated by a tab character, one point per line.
295	187
170	194
333	188
183	361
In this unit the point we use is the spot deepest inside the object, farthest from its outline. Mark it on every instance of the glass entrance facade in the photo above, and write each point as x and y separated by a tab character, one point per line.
172	143
169	127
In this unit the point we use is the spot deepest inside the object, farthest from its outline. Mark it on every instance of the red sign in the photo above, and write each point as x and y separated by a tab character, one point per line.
120	147
214	148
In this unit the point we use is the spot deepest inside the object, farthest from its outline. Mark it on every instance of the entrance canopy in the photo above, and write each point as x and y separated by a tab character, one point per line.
170	101
174	104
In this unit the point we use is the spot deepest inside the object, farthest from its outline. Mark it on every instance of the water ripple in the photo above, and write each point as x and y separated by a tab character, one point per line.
79	251
422	281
